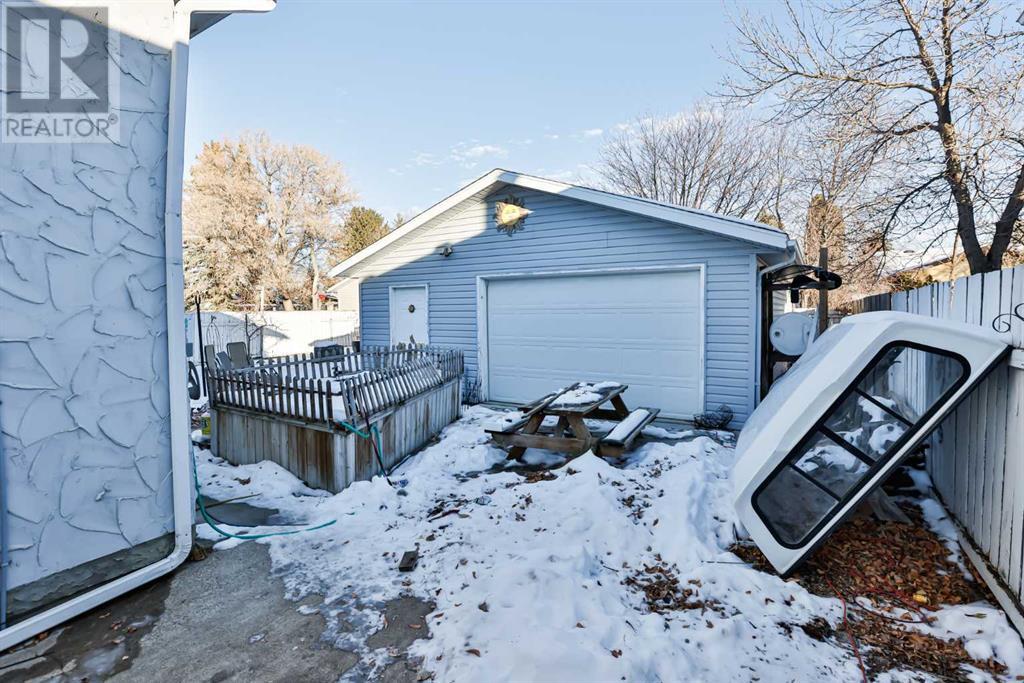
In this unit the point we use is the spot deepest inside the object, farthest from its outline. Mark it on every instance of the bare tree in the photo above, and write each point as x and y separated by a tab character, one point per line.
832	173
305	200
261	216
932	87
706	158
225	244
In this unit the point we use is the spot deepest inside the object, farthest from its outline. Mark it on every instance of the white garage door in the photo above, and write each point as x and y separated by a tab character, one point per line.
641	329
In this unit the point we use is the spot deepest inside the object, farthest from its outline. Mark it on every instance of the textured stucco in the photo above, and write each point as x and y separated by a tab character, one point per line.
83	335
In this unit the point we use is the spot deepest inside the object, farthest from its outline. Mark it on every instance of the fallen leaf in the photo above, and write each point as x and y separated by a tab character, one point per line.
473	651
484	607
616	653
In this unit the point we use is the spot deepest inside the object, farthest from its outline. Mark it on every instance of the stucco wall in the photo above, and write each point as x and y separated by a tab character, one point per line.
83	335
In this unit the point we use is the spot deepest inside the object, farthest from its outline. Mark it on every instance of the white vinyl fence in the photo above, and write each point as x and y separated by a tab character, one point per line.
976	457
273	333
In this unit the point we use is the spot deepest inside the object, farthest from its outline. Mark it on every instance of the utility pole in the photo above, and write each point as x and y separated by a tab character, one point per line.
822	293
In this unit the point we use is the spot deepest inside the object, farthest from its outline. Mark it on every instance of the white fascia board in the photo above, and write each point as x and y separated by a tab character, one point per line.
342	283
699	220
774	240
773	260
798	250
445	204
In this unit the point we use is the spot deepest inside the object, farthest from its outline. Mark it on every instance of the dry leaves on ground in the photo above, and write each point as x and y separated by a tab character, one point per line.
891	576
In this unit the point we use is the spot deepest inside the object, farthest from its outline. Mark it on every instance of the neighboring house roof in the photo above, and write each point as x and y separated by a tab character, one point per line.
766	236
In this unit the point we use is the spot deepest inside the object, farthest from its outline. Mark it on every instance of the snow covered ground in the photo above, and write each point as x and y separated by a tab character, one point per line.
528	578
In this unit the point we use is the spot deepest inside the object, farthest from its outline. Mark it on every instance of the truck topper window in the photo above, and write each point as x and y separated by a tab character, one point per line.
861	431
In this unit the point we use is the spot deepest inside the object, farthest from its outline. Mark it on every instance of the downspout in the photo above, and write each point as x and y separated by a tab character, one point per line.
3	539
181	464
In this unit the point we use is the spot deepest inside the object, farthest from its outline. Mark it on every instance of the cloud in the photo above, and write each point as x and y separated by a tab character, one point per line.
425	159
592	132
467	154
551	136
477	151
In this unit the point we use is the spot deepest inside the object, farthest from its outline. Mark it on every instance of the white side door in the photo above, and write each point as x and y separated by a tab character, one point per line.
409	319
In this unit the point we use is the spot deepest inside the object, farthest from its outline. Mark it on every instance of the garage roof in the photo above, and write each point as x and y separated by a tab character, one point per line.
772	239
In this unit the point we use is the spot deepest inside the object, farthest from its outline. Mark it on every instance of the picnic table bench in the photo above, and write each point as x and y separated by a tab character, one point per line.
572	406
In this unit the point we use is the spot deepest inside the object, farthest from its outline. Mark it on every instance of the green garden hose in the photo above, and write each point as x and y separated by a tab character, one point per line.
369	434
245	537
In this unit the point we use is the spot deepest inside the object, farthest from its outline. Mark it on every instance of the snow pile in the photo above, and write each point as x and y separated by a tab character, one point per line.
264	484
528	578
986	633
584	393
624	428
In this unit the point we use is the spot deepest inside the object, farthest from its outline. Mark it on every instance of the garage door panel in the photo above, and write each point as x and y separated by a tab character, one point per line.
642	329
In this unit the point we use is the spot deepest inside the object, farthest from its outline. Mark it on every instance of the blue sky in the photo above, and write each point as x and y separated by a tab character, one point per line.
417	98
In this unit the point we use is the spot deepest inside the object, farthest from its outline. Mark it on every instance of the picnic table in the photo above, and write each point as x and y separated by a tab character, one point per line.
572	406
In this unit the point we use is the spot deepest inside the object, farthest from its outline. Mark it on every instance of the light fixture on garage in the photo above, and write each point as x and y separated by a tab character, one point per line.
446	251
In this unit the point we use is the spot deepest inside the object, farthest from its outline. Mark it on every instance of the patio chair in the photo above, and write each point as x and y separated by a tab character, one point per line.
238	352
224	361
210	357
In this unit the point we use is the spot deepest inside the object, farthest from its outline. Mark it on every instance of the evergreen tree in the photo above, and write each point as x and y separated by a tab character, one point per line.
363	227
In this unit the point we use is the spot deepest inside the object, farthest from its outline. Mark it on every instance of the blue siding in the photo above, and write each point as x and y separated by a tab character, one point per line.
565	234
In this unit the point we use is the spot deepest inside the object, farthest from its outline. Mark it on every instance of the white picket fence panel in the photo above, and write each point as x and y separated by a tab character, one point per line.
976	456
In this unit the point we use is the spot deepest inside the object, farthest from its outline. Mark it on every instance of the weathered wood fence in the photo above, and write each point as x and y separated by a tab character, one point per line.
299	411
342	386
976	457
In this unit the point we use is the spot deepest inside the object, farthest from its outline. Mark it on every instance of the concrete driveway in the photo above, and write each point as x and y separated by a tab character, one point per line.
220	619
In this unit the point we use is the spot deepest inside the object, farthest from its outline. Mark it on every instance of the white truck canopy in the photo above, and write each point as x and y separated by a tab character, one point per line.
843	417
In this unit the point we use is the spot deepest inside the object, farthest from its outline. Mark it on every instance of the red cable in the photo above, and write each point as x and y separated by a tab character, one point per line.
849	633
892	592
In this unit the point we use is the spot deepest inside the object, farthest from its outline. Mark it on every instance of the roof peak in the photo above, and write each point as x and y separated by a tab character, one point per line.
772	239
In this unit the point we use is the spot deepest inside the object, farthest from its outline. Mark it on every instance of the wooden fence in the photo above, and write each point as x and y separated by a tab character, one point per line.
976	456
346	360
289	410
337	387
